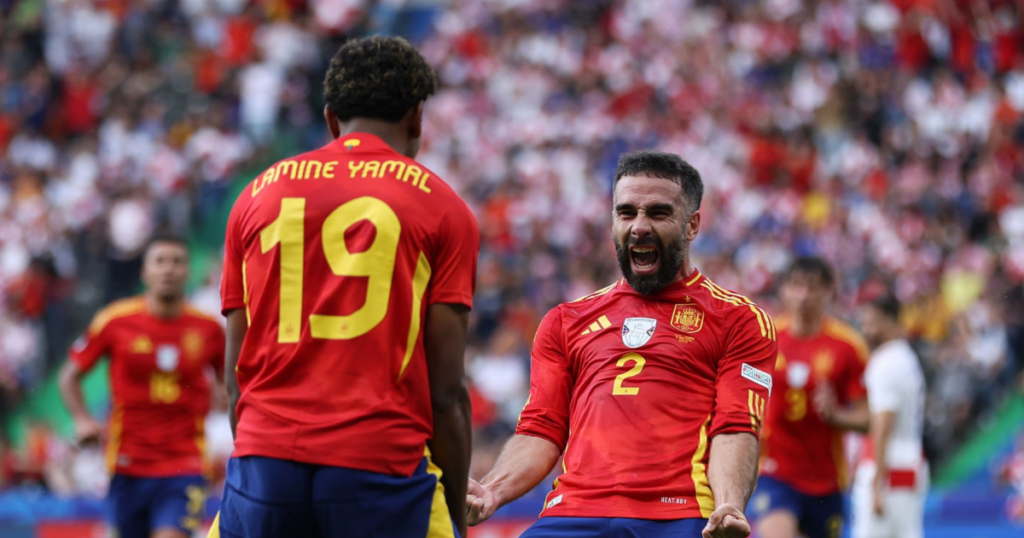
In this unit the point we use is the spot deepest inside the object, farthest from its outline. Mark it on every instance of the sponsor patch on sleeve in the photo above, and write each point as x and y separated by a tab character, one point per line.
757	376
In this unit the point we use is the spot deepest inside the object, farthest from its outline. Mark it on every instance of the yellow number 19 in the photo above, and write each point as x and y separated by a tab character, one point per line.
377	263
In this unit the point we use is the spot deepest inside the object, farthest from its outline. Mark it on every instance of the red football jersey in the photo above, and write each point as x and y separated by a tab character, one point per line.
335	255
634	387
160	391
797	447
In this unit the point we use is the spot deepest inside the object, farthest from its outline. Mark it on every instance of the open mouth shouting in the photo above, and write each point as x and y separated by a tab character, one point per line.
644	259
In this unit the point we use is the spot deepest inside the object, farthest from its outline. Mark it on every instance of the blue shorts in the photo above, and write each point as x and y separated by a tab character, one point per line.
614	527
267	497
140	505
818	516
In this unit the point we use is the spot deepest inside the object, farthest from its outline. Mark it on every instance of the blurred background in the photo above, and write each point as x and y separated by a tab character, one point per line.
886	136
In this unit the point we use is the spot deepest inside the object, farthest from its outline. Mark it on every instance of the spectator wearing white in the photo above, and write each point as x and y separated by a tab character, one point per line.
892	480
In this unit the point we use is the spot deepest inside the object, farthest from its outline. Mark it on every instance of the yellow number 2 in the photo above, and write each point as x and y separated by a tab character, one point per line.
638	367
376	263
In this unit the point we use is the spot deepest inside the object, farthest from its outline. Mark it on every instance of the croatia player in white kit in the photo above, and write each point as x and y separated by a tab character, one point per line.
891	482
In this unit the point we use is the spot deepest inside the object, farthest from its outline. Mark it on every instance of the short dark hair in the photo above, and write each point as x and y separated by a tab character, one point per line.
887	304
162	238
812	265
647	163
377	77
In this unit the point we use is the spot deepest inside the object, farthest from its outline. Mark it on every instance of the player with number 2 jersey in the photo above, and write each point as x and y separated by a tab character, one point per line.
337	258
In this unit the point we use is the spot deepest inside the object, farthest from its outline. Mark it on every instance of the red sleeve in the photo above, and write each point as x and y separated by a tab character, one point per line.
744	379
91	346
546	414
216	350
232	283
454	271
852	386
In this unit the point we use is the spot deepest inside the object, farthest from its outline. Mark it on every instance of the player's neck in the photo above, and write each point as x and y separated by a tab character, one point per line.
804	327
685	271
393	134
163	307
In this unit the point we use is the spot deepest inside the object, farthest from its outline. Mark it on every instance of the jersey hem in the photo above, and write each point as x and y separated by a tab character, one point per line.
629	514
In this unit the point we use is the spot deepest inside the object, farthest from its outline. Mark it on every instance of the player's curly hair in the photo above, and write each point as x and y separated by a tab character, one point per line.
378	78
647	163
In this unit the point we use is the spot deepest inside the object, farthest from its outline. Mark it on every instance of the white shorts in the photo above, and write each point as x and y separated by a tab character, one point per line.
903	507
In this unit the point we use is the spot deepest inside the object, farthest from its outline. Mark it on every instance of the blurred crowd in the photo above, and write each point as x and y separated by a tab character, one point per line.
886	136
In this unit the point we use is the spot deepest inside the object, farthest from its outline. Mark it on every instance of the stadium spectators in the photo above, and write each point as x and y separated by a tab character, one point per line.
885	136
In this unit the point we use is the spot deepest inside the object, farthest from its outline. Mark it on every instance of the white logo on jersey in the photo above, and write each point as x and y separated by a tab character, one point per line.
554	501
167	358
638	331
797	374
757	376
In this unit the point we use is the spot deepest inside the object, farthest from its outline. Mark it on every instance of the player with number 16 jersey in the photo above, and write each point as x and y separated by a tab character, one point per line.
345	261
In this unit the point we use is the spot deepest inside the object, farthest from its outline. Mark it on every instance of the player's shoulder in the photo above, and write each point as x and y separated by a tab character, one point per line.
199	317
740	308
846	336
117	310
591	297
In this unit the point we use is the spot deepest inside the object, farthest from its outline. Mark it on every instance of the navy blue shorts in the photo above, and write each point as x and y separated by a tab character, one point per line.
271	498
140	505
614	527
818	516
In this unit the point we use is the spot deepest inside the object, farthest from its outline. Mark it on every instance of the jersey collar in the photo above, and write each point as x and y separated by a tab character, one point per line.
358	142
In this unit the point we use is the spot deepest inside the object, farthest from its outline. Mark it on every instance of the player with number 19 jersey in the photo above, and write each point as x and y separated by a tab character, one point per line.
341	250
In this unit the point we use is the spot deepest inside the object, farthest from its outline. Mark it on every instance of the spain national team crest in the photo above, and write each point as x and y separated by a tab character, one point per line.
638	331
167	358
688	318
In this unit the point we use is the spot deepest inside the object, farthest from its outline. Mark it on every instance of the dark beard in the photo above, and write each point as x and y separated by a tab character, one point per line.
670	262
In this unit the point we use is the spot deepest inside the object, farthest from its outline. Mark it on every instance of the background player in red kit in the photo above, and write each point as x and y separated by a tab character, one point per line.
161	352
819	393
653	387
348	279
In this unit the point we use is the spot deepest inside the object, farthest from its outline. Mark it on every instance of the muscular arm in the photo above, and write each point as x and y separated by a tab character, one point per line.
445	343
732	468
235	335
523	463
732	473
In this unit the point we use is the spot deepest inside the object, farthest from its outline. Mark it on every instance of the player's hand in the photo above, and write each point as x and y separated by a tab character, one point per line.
824	401
480	503
87	430
727	521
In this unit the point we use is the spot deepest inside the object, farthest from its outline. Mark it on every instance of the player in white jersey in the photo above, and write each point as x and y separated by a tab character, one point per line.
892	480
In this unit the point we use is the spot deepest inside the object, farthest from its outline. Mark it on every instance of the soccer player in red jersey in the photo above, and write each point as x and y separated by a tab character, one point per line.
653	388
162	353
348	279
819	395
